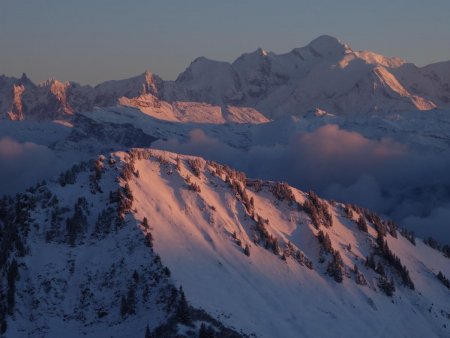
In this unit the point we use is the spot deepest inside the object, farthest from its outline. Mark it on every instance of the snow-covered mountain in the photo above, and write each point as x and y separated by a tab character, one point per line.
325	75
148	238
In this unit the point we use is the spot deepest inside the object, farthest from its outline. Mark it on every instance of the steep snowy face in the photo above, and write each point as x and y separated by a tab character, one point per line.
326	45
205	81
432	81
108	93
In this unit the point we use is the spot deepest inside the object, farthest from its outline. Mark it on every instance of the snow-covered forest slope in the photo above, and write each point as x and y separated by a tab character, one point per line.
148	238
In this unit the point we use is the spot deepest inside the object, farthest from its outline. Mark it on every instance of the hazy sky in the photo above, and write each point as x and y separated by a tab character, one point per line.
89	41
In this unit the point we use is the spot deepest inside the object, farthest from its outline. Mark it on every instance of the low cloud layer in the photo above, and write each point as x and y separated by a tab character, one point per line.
23	164
383	175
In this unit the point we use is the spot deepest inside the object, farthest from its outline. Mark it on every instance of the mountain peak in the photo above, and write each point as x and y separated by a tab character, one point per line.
148	74
150	78
261	52
328	45
25	80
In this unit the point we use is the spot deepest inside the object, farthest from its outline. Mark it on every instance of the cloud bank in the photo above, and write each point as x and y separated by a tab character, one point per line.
23	164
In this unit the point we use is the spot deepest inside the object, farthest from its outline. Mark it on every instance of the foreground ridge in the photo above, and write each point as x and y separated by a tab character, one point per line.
176	244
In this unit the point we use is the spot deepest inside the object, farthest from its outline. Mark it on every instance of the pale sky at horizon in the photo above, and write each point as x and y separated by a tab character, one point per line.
89	41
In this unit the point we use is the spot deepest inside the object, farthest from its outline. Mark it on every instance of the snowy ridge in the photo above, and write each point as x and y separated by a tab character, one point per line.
243	250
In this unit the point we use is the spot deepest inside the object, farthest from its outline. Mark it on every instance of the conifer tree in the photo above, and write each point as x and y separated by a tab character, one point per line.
148	334
183	311
247	250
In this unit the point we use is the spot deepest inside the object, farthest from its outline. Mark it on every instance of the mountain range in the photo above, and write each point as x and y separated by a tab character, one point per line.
326	75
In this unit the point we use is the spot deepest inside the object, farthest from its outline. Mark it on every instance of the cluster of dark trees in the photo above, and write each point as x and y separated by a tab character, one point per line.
236	239
128	170
374	265
247	250
178	308
190	317
192	185
443	279
394	261
318	211
365	215
206	331
282	191
178	164
264	237
14	229
256	185
359	276
238	182
382	227
335	267
362	224
104	223
230	174
123	198
241	192
325	242
148	234
97	168
70	176
409	235
76	226
128	301
296	254
196	166
431	242
348	211
387	285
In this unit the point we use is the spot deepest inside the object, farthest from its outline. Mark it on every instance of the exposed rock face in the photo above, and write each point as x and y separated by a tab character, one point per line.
16	109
